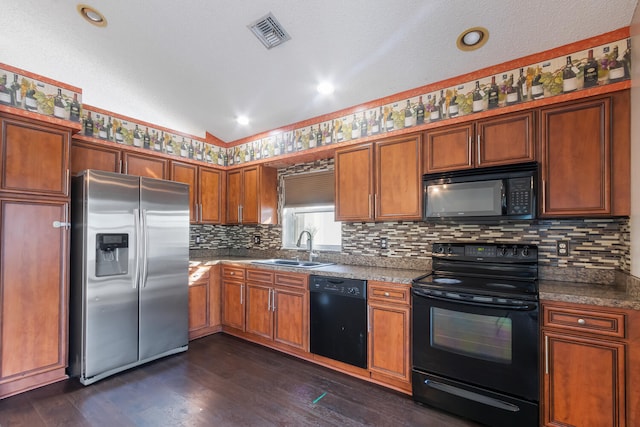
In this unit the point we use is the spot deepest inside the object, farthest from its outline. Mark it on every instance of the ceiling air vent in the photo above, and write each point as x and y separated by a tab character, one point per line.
269	31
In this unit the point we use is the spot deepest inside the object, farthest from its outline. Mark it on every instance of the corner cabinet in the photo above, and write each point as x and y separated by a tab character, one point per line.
496	141
585	156
379	181
206	191
34	199
389	334
252	195
590	372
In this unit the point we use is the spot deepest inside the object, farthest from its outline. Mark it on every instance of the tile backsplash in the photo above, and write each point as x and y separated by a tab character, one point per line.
595	244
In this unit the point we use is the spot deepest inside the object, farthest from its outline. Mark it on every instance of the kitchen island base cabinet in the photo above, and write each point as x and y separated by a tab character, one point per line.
591	358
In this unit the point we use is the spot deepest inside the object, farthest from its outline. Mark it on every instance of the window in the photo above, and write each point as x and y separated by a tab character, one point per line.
309	205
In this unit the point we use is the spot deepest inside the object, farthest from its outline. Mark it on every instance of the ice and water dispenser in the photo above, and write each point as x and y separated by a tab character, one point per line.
112	254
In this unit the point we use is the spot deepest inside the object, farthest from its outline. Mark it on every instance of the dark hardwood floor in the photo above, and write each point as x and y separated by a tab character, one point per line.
221	381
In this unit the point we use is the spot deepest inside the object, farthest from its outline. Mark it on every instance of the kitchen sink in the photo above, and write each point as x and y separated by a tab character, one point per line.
293	263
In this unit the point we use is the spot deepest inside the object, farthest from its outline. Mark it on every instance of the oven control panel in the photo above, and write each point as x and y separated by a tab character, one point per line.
491	252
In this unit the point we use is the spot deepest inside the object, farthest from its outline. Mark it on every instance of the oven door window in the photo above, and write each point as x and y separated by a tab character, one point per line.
474	335
480	198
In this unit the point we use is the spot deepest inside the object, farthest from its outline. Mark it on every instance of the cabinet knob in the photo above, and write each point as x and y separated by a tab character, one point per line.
582	322
232	273
386	294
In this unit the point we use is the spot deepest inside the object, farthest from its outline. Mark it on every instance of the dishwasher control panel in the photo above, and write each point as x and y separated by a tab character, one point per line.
338	286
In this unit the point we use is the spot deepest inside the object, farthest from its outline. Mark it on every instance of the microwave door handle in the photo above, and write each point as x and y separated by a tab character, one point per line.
503	196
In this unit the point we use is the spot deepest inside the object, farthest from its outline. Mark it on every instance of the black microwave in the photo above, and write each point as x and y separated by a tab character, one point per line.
482	194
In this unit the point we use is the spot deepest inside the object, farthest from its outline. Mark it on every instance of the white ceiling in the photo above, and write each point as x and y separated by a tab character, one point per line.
193	65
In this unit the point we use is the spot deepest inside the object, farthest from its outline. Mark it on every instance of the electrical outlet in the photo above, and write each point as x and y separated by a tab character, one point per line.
198	240
562	247
383	243
256	240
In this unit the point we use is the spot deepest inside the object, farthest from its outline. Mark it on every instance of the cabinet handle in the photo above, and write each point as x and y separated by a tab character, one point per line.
126	168
61	224
241	294
195	207
232	273
119	166
544	196
368	317
68	183
386	294
470	150
269	303
546	355
582	322
478	151
273	304
201	218
370	206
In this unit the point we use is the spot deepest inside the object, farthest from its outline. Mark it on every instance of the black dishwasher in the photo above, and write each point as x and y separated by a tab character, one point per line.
338	314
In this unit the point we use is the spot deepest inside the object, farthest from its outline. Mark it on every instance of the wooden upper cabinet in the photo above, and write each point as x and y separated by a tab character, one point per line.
144	165
35	158
379	181
252	195
188	174
398	178
354	183
92	156
449	148
211	195
496	141
505	139
576	158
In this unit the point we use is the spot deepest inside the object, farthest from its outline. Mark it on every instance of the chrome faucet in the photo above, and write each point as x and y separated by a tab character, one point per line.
309	243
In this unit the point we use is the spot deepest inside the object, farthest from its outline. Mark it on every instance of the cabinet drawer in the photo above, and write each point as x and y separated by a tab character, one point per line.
292	279
198	275
233	273
388	292
585	320
260	276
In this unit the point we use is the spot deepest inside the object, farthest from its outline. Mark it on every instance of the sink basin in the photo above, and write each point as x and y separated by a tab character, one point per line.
293	263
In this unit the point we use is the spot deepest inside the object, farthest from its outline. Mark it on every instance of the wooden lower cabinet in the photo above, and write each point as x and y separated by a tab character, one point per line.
277	308
204	301
590	372
233	297
33	294
389	334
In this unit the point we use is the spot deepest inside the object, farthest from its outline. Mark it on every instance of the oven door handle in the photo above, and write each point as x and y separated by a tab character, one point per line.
514	307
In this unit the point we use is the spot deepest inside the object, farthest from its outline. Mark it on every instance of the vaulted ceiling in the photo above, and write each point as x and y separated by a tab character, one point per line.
194	65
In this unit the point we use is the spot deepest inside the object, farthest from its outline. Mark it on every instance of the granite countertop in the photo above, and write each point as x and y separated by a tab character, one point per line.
620	294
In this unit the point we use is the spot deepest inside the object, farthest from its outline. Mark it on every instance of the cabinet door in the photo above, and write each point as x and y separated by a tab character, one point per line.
188	174
389	341
33	289
505	140
250	196
575	155
291	313
233	304
211	196
198	306
259	314
91	156
354	183
449	148
584	381
398	179
234	196
145	165
35	159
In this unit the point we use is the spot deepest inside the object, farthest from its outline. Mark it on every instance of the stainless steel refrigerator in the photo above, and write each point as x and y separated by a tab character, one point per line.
129	272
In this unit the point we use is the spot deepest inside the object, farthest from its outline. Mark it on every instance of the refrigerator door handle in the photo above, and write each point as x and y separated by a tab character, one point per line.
145	246
136	226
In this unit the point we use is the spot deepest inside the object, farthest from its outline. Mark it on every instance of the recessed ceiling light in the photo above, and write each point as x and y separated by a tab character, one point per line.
473	38
325	88
242	120
91	15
